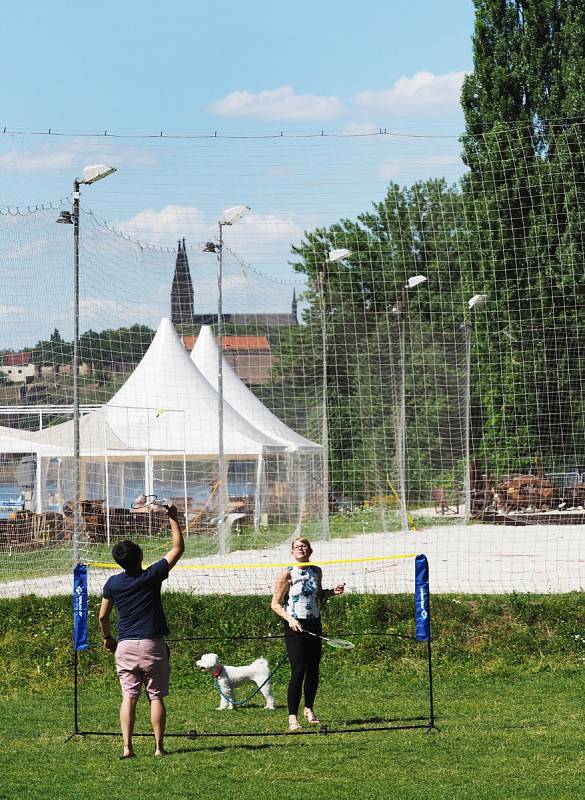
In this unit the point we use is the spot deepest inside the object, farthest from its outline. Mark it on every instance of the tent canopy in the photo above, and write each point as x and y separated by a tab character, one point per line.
205	357
15	440
166	406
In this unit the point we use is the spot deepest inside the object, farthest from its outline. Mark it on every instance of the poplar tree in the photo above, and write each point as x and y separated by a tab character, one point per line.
524	107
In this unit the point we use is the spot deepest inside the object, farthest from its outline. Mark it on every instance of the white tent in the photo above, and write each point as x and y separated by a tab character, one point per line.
165	407
16	440
304	459
160	421
205	357
163	423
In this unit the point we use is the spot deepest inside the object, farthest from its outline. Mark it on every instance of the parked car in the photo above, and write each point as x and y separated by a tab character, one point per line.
11	501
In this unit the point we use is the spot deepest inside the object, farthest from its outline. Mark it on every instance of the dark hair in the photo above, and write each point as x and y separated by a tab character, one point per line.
127	554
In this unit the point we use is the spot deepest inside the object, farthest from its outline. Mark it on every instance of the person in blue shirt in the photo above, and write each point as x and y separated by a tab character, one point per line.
142	656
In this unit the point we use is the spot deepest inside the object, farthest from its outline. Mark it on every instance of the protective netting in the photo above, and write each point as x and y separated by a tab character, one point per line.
401	368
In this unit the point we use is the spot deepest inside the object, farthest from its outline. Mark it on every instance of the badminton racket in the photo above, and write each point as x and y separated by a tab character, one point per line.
340	644
148	502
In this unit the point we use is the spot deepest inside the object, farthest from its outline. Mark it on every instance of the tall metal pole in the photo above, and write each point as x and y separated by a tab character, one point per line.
77	518
222	475
324	403
467	465
401	422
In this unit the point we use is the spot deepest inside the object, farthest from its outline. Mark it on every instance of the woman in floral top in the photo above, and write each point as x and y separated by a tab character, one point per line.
298	598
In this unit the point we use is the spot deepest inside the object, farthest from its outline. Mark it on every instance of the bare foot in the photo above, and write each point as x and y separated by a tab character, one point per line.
161	753
128	754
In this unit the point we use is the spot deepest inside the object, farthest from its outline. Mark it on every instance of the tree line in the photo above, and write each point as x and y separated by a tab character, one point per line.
513	229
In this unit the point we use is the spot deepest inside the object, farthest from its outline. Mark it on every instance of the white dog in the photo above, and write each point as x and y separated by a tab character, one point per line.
228	678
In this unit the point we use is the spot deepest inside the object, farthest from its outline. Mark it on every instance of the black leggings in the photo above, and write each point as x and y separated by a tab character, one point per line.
304	653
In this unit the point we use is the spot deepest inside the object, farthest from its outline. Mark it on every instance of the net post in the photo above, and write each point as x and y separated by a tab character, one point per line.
423	623
431	726
80	639
75	693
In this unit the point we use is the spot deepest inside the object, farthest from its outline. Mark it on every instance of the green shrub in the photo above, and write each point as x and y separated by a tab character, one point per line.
487	633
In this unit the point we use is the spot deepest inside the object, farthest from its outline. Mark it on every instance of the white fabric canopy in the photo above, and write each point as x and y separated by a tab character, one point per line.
165	407
15	440
205	357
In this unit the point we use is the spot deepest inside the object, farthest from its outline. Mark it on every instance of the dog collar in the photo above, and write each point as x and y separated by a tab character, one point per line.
218	670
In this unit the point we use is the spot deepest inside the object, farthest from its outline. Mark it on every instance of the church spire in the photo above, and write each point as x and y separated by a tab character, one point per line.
182	289
294	309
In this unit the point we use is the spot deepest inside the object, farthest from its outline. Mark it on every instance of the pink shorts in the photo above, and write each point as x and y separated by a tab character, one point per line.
143	662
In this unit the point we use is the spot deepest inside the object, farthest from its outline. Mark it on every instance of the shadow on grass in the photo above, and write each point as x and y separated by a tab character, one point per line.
379	720
216	748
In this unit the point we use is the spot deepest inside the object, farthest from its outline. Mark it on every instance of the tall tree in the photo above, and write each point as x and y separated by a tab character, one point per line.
411	231
523	144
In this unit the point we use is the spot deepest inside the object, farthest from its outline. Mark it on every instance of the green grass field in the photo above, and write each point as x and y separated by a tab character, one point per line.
509	701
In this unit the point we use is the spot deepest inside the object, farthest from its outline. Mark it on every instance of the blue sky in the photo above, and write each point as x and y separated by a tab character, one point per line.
136	67
251	69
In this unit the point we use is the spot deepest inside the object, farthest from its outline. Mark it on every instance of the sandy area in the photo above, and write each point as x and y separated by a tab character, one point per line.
475	559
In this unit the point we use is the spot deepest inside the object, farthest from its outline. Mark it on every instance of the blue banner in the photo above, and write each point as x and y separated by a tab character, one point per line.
80	607
422	599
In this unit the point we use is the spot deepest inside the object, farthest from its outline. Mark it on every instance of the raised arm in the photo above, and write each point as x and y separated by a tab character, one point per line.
177	541
280	592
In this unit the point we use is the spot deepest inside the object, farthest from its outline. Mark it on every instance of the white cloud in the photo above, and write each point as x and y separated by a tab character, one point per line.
41	159
9	311
112	313
264	240
273	226
279	104
79	152
164	227
422	93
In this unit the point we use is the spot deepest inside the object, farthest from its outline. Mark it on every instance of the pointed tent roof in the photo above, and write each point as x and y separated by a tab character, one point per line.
165	406
96	436
16	440
236	393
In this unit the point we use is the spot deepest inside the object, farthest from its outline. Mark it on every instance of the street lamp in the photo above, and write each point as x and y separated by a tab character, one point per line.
332	257
91	175
476	302
229	216
401	310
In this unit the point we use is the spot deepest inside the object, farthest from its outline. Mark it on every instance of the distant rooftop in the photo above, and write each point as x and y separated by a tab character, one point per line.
230	343
16	359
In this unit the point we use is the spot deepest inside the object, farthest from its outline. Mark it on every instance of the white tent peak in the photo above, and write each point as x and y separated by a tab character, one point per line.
165	406
205	356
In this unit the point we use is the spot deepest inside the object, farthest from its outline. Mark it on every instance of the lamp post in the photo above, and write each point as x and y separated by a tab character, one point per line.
401	311
91	175
229	216
477	301
332	258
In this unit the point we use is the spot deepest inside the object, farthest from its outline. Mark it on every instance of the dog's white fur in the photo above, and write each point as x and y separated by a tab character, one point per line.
229	677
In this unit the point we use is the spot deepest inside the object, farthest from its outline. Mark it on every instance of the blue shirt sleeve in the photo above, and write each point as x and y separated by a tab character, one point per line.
159	570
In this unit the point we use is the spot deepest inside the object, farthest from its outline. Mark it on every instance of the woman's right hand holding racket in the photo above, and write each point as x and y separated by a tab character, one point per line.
295	625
